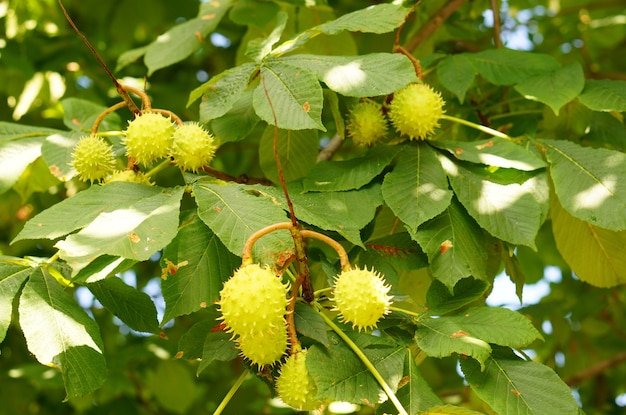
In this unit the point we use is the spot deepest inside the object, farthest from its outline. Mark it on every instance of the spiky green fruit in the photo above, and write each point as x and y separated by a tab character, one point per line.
264	348
416	110
192	147
361	297
149	137
253	301
93	158
366	123
295	386
129	176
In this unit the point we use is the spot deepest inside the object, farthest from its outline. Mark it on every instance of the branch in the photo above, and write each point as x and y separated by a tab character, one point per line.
594	371
496	23
331	148
430	26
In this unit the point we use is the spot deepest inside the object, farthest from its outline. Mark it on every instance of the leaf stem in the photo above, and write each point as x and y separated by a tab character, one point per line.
231	393
404	311
368	364
479	127
103	114
162	165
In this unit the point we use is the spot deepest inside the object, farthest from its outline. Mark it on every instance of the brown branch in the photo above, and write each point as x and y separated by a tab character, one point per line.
496	23
331	148
243	179
435	21
595	370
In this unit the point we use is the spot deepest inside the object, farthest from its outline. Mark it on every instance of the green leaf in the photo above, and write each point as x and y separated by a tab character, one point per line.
454	245
471	332
511	386
191	343
441	301
341	376
234	212
381	18
237	123
13	273
604	95
57	151
252	12
358	76
80	114
217	346
259	48
184	39
343	212
133	307
493	152
513	269
417	189
102	267
83	208
289	97
416	396
297	150
555	88
19	147
594	254
221	92
450	410
195	264
331	176
507	211
456	74
134	231
508	67
60	334
589	182
173	387
310	324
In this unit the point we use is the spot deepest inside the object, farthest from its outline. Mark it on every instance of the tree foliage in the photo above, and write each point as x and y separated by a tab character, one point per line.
109	291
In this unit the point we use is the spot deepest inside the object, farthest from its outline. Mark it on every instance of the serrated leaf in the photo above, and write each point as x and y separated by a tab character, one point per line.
512	386
594	254
80	114
60	334
507	211
340	175
417	188
416	396
296	149
440	300
133	307
310	324
589	182
293	95
359	76
456	74
493	152
343	212
471	332
184	39
19	146
13	273
80	210
555	88
191	343
454	245
604	95
237	123
217	346
101	268
508	67
57	151
234	212
513	269
341	376
134	231
195	264
259	48
221	92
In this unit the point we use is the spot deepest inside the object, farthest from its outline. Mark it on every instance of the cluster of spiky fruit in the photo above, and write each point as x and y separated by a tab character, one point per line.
253	303
415	112
152	135
361	297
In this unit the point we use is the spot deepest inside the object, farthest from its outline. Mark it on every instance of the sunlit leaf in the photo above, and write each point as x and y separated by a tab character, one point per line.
13	273
221	92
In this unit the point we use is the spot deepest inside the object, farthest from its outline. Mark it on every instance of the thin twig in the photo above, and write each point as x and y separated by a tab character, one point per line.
331	148
495	8
243	179
435	21
595	370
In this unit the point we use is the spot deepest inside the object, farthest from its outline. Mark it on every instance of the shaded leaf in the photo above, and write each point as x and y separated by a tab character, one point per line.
217	346
80	114
359	76
297	150
589	182
310	324
508	67
172	386
511	386
191	343
328	176
417	189
222	91
456	74
555	88
237	123
195	264
594	254
441	301
604	95
60	334
130	305
13	273
291	94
